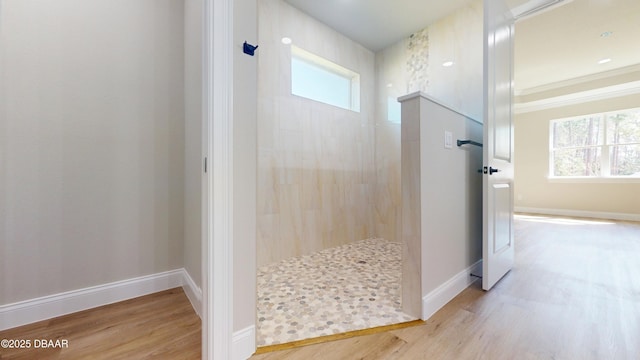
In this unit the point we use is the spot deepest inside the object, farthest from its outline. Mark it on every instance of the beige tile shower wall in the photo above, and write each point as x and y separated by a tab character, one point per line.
415	64
315	161
392	78
400	69
458	38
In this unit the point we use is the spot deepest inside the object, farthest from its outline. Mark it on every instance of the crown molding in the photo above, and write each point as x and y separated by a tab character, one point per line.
536	7
607	92
579	80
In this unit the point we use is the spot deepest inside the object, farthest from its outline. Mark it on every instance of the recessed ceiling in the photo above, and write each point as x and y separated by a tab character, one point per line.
572	40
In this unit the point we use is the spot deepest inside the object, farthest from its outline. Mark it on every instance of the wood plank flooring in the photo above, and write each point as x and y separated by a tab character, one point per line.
157	326
574	294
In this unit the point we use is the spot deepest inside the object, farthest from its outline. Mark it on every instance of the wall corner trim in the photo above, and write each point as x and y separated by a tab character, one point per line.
47	307
243	343
193	292
440	296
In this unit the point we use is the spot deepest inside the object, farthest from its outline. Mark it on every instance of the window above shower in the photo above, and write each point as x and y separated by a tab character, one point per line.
316	78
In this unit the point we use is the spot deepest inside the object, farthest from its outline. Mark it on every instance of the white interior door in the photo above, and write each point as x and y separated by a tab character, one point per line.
498	237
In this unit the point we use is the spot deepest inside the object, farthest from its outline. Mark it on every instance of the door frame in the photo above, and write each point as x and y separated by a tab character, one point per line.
217	181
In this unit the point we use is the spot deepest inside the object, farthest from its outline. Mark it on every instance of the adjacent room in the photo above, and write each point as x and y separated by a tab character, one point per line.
577	109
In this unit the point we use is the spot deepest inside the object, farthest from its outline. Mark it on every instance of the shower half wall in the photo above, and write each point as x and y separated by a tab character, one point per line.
316	168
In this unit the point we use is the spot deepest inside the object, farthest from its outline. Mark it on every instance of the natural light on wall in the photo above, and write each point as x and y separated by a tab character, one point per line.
319	79
394	110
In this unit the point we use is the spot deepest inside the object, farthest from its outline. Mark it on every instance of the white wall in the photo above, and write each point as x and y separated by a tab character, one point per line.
441	199
193	139
452	201
535	192
458	37
92	143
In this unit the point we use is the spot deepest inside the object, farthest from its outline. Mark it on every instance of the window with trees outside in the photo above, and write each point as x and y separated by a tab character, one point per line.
603	145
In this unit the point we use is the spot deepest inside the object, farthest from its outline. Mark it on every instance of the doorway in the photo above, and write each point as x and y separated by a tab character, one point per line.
452	269
295	132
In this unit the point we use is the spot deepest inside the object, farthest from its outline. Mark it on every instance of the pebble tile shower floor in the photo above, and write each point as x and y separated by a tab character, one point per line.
351	287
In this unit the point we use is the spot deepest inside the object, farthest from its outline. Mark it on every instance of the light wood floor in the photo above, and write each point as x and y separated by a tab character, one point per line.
574	294
157	326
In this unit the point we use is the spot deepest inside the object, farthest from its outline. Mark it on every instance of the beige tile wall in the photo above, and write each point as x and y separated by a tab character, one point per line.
414	64
328	176
315	161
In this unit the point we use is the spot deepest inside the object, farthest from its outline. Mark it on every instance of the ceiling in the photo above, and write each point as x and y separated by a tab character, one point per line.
376	24
558	44
568	41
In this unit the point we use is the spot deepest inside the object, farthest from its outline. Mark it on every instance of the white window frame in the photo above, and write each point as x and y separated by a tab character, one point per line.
605	158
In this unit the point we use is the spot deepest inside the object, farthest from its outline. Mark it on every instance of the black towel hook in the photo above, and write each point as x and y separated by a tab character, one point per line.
249	49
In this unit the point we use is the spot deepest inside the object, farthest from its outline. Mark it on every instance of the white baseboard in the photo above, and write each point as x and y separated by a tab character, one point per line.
47	307
243	343
193	292
436	299
579	213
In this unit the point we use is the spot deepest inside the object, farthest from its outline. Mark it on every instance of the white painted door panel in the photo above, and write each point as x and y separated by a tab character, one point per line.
498	236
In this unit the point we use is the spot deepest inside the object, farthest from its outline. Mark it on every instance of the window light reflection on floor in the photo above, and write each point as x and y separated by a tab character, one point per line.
562	221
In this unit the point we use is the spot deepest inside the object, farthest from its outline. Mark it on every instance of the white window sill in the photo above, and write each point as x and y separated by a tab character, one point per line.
593	180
